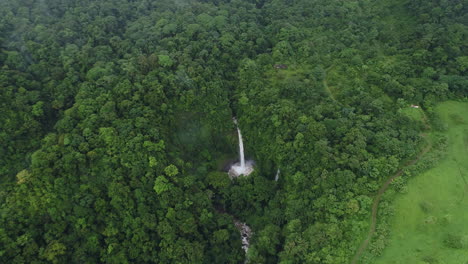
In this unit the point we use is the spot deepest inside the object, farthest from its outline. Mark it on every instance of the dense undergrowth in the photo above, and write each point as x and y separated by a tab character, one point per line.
116	116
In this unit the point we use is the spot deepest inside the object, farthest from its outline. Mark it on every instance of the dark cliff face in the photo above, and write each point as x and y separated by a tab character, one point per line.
228	164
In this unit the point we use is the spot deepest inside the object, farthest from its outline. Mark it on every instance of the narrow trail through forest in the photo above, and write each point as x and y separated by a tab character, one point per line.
383	188
325	82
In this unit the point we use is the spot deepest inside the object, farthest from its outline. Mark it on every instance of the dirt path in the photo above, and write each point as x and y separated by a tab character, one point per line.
325	82
378	197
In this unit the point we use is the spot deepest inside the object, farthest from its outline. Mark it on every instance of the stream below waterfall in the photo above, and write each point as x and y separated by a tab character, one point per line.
242	168
246	234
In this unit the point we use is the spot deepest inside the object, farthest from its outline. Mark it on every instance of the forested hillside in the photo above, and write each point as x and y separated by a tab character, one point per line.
116	122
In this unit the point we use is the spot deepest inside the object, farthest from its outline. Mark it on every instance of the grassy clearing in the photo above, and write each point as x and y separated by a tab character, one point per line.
430	224
414	113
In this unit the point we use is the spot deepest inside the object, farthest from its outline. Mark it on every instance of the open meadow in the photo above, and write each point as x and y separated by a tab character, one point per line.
430	224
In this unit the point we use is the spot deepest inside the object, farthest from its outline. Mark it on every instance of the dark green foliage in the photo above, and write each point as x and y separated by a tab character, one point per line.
114	116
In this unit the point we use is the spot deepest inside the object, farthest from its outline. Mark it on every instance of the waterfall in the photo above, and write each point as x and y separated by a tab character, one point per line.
277	175
243	167
241	149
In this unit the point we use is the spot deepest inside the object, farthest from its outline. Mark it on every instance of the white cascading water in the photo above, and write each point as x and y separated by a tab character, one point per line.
277	175
242	167
241	149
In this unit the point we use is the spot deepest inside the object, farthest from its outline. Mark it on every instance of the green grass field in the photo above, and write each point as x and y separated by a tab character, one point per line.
430	224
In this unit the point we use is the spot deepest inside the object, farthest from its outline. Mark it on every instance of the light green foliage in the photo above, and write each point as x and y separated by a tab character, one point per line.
171	170
153	162
38	109
165	61
161	184
416	114
53	251
107	134
463	63
23	176
218	180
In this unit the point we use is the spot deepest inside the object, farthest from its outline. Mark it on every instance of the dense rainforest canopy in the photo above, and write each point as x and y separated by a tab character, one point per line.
115	123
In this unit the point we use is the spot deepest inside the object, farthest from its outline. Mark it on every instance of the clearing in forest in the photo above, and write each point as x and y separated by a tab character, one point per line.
430	223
